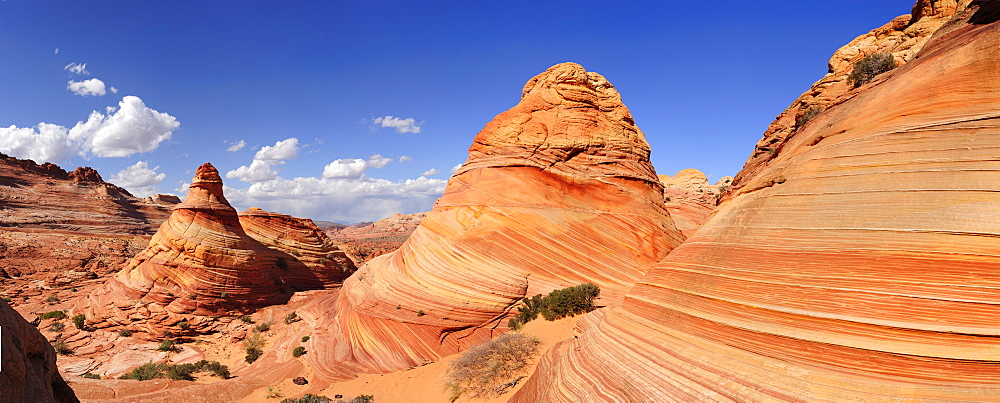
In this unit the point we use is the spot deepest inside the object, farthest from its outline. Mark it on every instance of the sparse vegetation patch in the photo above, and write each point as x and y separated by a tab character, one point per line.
558	304
870	66
491	368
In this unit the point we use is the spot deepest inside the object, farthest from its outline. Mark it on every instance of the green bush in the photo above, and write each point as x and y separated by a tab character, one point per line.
125	333
80	321
292	317
253	354
177	372
166	345
146	372
558	304
53	315
246	319
263	327
421	313
870	66
89	375
305	339
363	399
308	398
807	116
489	369
52	299
183	324
56	326
61	347
298	351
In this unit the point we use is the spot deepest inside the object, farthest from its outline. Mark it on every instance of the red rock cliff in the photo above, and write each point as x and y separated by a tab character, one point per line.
860	264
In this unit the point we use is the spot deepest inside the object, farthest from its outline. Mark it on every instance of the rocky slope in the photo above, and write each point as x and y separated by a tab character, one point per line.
29	363
589	208
691	199
364	242
856	265
206	260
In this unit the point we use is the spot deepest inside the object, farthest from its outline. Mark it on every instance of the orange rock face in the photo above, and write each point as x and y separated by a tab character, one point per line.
858	265
557	191
203	261
691	199
28	362
366	242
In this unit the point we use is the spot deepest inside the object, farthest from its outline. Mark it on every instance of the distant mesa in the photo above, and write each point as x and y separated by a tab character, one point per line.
857	264
556	191
366	241
208	260
691	199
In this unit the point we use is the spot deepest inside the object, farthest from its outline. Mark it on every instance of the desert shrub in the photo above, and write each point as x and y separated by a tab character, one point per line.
558	304
870	66
74	290
298	351
61	347
484	370
223	295
272	393
53	315
56	326
89	375
177	372
166	345
570	301
363	399
51	299
421	313
305	339
80	321
246	319
125	333
183	324
291	317
263	327
807	116
308	398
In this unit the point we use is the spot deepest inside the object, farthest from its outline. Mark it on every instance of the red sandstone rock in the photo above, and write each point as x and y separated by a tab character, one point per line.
691	199
28	363
857	265
364	242
203	263
588	207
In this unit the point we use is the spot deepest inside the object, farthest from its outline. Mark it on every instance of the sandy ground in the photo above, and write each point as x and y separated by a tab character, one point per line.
421	384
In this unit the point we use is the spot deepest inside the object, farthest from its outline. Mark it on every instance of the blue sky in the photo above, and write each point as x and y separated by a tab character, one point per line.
367	106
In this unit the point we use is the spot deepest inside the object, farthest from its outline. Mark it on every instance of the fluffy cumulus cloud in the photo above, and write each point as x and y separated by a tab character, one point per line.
456	168
405	158
431	172
139	179
354	200
88	88
76	68
264	166
408	125
347	168
129	129
238	146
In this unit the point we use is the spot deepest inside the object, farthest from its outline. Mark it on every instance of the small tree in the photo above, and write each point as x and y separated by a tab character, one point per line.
484	370
870	66
80	321
810	113
298	351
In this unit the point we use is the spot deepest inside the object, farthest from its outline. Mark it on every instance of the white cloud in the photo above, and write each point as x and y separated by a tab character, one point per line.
283	150
87	88
405	158
43	143
377	161
131	128
408	125
456	168
75	68
347	168
431	172
182	187
258	171
237	146
354	200
56	52
139	179
114	90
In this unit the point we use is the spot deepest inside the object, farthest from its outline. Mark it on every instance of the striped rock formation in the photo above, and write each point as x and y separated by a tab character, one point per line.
557	191
859	265
28	362
202	262
691	199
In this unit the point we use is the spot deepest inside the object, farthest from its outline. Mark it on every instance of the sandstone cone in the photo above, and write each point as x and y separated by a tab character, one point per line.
557	191
859	265
203	262
691	199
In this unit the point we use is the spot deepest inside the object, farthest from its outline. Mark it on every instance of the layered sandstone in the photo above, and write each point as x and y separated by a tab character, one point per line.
691	199
858	265
366	241
28	362
557	191
903	38
203	262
